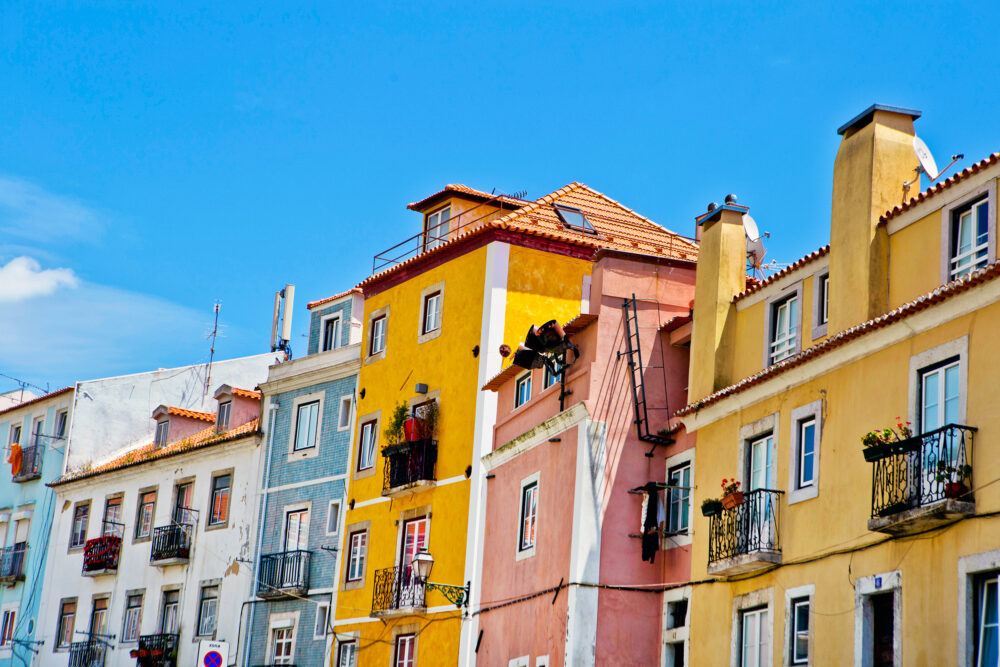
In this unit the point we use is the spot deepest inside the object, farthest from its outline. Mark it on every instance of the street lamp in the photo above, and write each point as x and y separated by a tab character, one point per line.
422	564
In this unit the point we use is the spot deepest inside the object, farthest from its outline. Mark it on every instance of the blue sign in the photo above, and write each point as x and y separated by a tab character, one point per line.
213	659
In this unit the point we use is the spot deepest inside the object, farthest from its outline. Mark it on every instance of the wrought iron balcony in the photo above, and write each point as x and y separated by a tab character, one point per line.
408	465
12	562
31	463
100	555
87	654
283	574
923	481
745	538
159	650
397	591
171	544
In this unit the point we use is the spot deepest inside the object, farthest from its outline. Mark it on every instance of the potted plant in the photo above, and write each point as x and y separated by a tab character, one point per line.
413	428
880	443
394	429
431	416
711	507
953	477
731	494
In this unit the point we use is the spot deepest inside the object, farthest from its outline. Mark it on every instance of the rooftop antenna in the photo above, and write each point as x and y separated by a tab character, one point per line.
927	165
755	246
211	354
283	302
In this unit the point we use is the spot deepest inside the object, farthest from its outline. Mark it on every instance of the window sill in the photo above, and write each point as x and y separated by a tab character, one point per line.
429	336
354	585
217	526
372	358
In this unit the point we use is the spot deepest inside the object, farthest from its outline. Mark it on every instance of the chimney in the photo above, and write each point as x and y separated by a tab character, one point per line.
874	159
720	276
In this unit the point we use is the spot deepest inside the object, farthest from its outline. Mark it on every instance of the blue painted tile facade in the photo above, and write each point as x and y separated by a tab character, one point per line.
309	427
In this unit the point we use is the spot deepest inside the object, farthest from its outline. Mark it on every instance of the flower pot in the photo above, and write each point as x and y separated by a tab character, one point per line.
413	429
711	509
955	489
731	500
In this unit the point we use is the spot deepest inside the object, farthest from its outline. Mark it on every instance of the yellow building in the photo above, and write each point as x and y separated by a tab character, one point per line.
483	270
838	553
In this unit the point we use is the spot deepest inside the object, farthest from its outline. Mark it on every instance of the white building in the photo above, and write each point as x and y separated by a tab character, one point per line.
151	552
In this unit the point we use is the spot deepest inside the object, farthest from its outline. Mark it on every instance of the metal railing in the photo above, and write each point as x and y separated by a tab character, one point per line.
87	654
396	588
169	542
101	553
159	650
283	572
31	462
408	462
921	470
12	561
749	527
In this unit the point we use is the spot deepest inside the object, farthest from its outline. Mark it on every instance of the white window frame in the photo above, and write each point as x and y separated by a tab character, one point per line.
527	552
86	525
761	598
14	609
801	414
283	620
970	568
864	588
347	639
318	631
687	457
333	512
356	446
227	407
161	438
821	301
338	335
422	335
412	636
987	190
138	621
792	596
201	608
309	452
959	347
680	633
61	416
520	661
670	495
371	354
962	264
432	227
522	381
782	345
344	415
367	445
349	531
37	430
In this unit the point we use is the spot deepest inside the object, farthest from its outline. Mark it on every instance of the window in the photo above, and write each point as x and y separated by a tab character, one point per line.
15	434
807	452
679	499
99	616
281	645
823	313
112	524
529	516
987	628
377	339
306	421
133	618
7	629
37	431
183	513
333	518
436	228
366	448
432	312
522	391
574	219
356	556
66	624
322	612
344	418
62	417
208	610
551	378
969	239
80	517
753	638
168	615
799	641
161	433
677	613
783	329
297	530
939	396
406	646
222	419
331	333
219	512
144	514
347	654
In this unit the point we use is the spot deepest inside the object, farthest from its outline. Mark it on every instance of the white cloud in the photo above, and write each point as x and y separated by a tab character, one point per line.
23	278
31	212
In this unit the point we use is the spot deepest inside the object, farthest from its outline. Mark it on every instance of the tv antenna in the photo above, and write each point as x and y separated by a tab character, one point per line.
211	355
283	301
755	247
927	165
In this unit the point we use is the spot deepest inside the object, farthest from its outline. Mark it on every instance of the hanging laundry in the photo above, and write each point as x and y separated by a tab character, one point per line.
650	520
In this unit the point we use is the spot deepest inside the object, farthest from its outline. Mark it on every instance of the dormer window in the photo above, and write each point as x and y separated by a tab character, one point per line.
222	419
970	236
436	228
161	433
574	219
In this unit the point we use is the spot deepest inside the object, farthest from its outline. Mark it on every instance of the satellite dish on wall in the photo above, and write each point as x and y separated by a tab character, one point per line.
755	254
927	162
750	227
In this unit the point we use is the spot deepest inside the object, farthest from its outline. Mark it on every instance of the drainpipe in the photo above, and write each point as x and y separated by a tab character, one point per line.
260	531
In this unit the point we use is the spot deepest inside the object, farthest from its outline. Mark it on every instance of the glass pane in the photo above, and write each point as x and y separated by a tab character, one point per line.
951	395
929	413
989	647
964	237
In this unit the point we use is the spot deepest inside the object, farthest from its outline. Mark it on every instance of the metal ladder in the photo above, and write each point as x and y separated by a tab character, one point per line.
635	375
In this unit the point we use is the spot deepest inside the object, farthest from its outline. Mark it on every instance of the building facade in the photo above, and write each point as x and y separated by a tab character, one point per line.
849	394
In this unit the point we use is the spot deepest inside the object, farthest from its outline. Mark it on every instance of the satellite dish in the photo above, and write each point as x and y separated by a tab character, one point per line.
927	162
750	227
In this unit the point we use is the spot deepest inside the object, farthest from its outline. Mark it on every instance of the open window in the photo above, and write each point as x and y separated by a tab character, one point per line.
573	218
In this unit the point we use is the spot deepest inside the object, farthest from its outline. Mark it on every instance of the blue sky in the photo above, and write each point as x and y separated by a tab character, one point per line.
156	157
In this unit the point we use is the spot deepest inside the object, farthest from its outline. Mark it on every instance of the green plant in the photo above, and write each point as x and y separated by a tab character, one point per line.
431	414
888	434
394	430
946	472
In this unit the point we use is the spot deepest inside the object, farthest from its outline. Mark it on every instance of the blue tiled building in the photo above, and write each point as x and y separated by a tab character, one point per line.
308	423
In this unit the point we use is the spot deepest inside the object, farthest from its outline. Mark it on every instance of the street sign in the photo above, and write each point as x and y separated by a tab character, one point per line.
213	654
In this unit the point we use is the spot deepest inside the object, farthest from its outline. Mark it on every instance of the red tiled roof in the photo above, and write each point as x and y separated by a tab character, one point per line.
675	323
921	303
758	285
575	325
465	190
617	226
246	393
149	452
942	185
320	302
191	414
37	399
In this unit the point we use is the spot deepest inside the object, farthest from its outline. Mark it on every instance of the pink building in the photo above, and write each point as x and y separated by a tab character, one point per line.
567	582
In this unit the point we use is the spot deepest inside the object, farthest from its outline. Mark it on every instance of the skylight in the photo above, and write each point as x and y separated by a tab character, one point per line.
574	219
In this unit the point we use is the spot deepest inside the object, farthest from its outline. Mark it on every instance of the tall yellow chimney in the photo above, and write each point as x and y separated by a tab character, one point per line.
874	159
721	275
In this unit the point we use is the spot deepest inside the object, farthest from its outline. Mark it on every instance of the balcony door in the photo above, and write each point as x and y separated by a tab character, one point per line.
939	402
296	539
414	540
112	518
168	617
182	506
760	506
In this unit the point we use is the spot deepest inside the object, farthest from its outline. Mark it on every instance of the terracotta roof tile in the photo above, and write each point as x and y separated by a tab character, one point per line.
246	393
940	186
320	302
940	294
191	414
758	285
465	190
37	399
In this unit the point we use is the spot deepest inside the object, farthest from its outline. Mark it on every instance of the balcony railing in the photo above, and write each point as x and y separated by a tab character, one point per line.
100	555
171	543
31	463
747	533
396	589
408	463
159	650
12	562
87	654
921	472
284	573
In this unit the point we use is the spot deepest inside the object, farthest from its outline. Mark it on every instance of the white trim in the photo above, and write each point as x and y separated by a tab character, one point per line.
565	420
968	567
864	588
989	189
442	609
763	597
295	507
321	605
802	413
308	482
424	293
681	633
286	619
349	399
322	331
329	511
520	661
767	425
791	293
522	379
368	355
519	553
309	452
796	593
959	347
686	457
